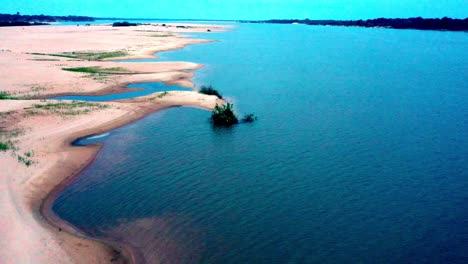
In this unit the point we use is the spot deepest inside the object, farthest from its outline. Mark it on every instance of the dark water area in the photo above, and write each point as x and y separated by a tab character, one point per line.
360	154
141	89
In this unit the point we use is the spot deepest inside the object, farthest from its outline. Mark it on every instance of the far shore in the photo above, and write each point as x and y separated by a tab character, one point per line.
41	160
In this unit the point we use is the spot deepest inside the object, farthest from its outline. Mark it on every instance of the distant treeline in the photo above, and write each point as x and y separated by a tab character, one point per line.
28	20
445	23
20	23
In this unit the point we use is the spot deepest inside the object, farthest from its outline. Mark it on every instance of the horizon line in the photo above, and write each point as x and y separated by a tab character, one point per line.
233	20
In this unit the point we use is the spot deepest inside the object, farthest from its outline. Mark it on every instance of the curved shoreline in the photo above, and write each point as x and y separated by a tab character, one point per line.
131	254
68	162
63	226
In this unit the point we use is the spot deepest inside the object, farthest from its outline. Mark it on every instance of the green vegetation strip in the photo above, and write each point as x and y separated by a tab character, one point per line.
6	96
71	108
97	70
54	55
64	105
99	55
86	55
160	36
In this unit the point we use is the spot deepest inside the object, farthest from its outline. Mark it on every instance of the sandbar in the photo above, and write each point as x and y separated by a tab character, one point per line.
41	159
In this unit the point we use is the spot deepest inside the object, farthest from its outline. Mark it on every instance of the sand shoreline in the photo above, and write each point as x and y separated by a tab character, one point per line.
30	191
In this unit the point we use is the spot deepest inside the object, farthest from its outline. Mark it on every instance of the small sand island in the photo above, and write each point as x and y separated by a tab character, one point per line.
36	133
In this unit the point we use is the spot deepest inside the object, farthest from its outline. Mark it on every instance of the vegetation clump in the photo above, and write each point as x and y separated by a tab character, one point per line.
6	145
249	118
224	115
124	24
26	158
209	90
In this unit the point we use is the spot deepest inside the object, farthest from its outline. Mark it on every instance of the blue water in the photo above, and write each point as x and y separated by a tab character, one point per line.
138	89
360	154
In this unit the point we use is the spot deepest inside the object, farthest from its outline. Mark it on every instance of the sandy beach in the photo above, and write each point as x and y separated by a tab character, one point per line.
40	158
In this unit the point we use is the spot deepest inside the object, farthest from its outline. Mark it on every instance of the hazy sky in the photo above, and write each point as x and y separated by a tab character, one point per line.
242	9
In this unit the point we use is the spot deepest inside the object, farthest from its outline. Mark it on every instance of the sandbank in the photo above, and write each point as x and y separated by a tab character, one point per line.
42	132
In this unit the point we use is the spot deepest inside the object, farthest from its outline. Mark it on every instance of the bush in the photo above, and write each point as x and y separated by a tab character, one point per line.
209	90
249	118
224	115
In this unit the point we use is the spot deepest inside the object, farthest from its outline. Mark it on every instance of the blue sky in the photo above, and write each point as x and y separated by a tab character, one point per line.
242	9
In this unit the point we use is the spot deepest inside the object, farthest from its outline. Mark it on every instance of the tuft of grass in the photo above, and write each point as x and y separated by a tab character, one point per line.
6	96
115	69
6	145
38	88
11	132
31	112
7	135
4	114
209	90
161	95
